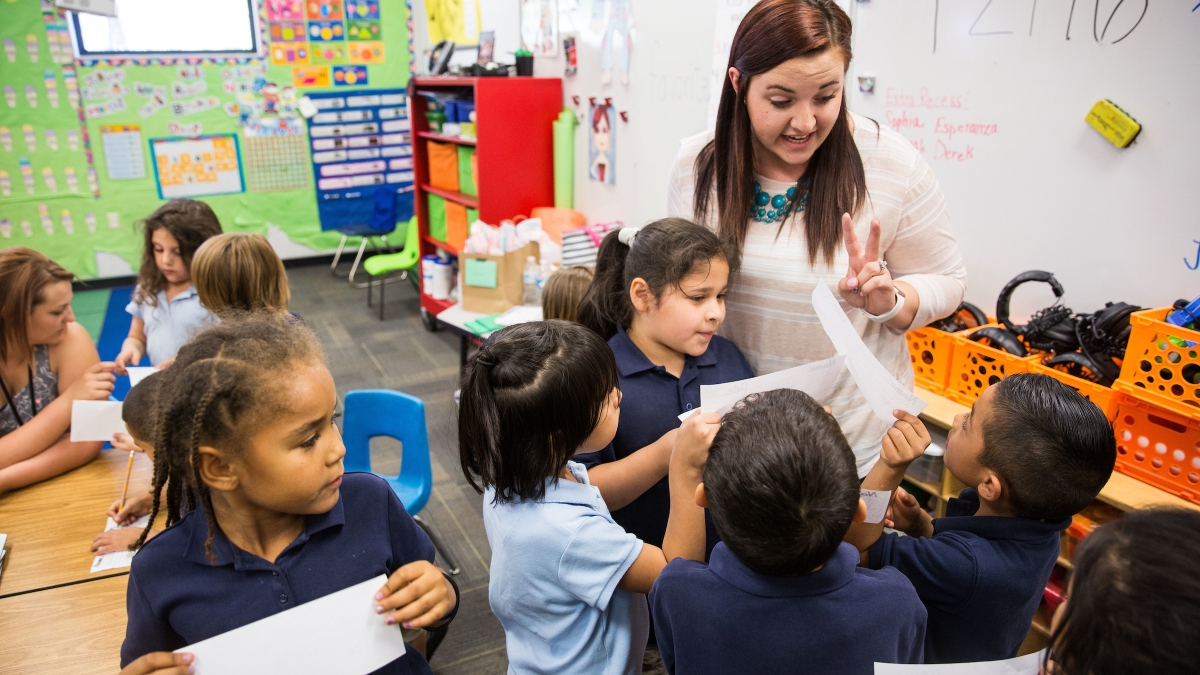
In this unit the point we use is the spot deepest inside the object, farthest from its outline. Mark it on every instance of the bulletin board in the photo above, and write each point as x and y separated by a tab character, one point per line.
361	143
186	168
60	119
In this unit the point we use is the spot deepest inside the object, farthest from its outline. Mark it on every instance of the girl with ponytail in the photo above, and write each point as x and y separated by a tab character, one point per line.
658	297
567	582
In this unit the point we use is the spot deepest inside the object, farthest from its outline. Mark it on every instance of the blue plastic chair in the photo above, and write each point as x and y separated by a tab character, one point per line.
384	412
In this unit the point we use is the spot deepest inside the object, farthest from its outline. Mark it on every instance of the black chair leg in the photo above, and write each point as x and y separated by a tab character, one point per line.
382	285
452	566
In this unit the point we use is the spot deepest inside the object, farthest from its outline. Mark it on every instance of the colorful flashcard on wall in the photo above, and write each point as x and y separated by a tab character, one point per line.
324	9
27	174
123	151
6	138
194	167
366	52
328	52
310	76
72	179
353	139
10	50
51	84
347	76
364	29
289	53
287	31
326	31
362	9
281	10
193	106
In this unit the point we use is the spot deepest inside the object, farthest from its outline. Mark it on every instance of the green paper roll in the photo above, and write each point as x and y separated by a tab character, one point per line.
564	160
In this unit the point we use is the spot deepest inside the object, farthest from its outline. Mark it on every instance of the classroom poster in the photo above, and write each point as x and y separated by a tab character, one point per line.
602	144
196	167
454	20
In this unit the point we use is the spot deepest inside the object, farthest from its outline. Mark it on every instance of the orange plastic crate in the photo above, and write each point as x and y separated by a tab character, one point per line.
1163	361
1099	394
1157	446
930	350
974	367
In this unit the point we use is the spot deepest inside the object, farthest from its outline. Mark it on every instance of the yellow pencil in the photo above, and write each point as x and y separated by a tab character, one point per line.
128	471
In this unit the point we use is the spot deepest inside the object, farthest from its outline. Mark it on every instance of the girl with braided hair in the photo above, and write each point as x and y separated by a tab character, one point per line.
261	516
566	581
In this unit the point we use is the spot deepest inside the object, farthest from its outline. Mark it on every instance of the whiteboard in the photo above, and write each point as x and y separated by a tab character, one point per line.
994	94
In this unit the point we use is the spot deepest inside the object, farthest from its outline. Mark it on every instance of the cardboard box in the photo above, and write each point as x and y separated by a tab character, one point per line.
492	283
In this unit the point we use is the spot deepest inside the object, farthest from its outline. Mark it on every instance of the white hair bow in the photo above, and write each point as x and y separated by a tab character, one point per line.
626	235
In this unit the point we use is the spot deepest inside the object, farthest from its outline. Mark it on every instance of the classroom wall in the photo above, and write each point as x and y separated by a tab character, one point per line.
94	235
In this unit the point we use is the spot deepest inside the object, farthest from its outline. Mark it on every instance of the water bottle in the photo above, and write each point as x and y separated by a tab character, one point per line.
533	294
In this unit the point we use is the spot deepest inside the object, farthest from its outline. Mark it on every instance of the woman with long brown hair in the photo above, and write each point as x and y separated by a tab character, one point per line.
794	184
47	361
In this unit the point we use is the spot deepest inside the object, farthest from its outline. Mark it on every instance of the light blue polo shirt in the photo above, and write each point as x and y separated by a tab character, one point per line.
555	568
169	325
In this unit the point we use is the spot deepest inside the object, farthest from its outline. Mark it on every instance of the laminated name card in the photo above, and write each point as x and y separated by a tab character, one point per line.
817	379
1029	664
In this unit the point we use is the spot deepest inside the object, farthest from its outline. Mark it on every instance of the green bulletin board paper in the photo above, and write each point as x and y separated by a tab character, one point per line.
480	273
109	224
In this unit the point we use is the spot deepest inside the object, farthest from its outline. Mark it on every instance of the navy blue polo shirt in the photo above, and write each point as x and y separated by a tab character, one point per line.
176	597
724	617
980	577
651	402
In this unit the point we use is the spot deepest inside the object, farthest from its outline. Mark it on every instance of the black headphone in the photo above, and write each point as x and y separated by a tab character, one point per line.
966	316
1051	329
1000	339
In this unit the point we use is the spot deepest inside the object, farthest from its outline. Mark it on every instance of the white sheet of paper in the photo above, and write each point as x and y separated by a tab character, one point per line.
96	420
1022	665
877	503
816	379
339	633
139	373
520	314
882	390
117	559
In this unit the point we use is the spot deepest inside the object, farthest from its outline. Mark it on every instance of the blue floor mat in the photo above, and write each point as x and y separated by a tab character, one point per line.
113	334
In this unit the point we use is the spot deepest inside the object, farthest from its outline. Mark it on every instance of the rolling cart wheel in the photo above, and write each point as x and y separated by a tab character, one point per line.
429	320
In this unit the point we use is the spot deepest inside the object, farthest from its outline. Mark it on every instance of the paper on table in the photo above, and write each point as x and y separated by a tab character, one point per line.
96	420
1022	665
882	390
117	559
816	379
520	314
877	502
339	633
3	538
139	373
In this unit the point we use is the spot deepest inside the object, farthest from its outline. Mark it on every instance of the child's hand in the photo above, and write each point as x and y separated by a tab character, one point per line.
904	442
419	593
132	351
694	439
96	383
134	508
160	663
112	541
124	443
904	512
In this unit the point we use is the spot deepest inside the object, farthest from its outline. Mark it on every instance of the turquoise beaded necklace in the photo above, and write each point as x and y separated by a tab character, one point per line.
768	208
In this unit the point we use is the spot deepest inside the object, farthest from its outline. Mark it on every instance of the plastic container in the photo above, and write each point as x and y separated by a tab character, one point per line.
1163	361
443	275
1099	394
974	367
529	279
930	350
1157	445
926	469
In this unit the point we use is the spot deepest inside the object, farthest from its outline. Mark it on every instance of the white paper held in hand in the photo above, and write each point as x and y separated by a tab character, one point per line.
139	373
816	379
1029	664
883	391
877	502
117	559
96	420
339	633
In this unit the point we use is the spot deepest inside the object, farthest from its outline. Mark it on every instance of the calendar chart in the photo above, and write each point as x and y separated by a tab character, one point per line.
123	151
276	155
194	167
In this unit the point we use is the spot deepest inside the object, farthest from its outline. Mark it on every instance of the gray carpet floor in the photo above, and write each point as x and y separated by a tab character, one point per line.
398	353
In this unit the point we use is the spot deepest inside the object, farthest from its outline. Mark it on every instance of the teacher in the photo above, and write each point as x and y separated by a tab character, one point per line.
800	189
47	361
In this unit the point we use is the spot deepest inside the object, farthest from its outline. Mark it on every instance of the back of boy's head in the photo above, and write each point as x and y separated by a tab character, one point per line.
239	271
1053	449
140	409
531	397
223	387
564	292
1134	602
191	222
662	254
781	483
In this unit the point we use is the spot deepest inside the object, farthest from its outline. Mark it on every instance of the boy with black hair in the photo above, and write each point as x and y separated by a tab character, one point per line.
1034	453
140	414
781	592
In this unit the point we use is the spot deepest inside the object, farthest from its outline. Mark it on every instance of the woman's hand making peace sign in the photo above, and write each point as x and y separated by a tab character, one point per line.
868	283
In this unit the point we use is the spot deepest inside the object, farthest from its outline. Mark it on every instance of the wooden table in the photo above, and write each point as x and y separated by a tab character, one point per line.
50	525
74	629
